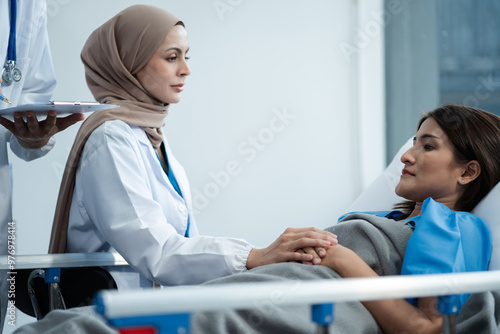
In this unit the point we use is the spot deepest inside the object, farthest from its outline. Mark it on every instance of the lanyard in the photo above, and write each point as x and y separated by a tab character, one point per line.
10	71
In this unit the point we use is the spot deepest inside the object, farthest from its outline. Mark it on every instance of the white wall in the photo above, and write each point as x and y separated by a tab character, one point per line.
251	61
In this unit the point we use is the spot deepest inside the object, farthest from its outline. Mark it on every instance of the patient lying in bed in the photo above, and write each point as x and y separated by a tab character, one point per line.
380	243
453	164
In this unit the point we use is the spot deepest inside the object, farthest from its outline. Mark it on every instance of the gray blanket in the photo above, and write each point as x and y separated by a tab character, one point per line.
380	242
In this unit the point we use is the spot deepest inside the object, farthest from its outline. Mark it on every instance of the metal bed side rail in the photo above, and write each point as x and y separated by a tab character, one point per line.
176	303
48	268
66	260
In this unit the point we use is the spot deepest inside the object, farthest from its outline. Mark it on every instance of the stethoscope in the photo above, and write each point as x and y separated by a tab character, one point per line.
10	72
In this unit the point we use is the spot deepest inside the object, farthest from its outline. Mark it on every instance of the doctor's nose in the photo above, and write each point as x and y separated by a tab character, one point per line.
184	69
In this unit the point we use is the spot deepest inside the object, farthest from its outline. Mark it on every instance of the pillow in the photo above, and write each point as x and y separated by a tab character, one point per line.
380	195
489	210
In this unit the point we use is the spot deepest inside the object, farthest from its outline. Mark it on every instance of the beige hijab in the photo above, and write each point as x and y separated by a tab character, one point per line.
112	55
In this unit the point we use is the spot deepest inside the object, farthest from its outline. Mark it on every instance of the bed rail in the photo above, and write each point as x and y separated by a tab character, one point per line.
163	308
67	260
25	272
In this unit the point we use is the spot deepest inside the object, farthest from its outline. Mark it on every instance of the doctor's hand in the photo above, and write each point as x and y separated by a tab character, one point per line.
285	248
34	134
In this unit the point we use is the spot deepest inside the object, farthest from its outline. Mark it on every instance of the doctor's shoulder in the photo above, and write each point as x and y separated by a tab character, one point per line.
115	133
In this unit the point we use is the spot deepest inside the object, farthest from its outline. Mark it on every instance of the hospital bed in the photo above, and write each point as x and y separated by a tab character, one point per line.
168	310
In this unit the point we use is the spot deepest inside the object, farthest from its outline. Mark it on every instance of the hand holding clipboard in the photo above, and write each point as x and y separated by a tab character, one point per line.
61	108
23	121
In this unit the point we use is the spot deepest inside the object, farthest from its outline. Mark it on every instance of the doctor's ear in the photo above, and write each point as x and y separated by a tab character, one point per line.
472	172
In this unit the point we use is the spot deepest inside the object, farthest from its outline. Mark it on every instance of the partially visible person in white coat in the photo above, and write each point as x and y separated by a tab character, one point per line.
31	139
123	190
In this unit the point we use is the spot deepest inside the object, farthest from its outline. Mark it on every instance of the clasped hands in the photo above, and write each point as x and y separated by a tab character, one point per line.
306	245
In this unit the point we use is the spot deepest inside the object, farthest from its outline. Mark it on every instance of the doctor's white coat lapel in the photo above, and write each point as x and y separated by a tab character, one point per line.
182	181
179	173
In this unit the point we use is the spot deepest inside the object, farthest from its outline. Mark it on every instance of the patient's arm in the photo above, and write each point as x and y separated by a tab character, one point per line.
392	315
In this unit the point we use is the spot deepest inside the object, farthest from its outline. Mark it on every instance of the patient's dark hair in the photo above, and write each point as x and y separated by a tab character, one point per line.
475	135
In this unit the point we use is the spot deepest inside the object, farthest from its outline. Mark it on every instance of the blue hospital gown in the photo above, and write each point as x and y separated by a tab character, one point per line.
444	241
447	241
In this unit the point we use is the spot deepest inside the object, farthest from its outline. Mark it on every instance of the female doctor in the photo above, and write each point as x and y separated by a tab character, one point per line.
122	188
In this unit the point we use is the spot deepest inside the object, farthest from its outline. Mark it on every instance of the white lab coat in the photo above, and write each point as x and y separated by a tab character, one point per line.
123	201
37	85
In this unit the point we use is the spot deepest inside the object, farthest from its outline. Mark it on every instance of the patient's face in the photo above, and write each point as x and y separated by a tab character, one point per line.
165	73
430	169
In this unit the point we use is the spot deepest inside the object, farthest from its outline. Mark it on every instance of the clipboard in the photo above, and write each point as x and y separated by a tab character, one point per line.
61	108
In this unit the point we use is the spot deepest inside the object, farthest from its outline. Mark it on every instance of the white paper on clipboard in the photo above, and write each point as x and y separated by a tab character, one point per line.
61	108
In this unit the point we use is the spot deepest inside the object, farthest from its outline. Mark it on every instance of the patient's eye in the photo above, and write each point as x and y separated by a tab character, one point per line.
428	147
